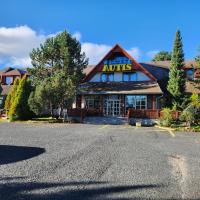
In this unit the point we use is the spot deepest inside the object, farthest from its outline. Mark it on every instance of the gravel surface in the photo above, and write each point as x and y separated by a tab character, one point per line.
77	161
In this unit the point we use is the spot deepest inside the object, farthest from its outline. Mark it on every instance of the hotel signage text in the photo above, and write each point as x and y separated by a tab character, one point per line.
118	64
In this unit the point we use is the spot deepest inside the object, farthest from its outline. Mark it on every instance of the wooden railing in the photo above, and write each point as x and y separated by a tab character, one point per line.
149	114
82	113
93	112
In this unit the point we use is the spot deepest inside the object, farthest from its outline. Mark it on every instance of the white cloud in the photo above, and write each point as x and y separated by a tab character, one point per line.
22	62
135	53
17	42
77	35
151	54
95	52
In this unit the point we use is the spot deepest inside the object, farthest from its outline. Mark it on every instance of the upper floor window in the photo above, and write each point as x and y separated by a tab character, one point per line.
9	80
107	77
190	74
129	76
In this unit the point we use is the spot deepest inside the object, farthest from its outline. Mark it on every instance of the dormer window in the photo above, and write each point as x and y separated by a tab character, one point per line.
107	77
190	74
9	80
129	76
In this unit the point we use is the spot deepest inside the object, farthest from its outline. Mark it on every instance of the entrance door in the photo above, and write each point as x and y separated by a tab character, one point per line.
112	107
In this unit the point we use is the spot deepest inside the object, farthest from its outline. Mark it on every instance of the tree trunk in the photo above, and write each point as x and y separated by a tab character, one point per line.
60	111
51	108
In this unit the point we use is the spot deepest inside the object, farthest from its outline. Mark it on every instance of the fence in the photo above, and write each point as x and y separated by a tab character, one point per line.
150	114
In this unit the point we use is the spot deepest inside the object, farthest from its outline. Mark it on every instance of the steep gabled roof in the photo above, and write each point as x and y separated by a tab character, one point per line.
9	71
5	70
118	48
166	64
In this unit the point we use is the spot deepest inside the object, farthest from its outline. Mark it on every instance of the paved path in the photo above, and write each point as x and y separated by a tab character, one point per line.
75	161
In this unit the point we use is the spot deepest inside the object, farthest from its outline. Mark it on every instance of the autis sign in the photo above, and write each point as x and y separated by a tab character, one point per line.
117	64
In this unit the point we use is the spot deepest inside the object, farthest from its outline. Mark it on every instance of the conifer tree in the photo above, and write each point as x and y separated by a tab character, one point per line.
57	70
176	83
11	96
19	108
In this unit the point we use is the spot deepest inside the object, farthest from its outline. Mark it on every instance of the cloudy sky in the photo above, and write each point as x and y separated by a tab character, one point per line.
142	27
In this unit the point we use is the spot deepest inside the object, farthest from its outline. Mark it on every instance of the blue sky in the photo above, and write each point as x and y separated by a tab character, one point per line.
142	27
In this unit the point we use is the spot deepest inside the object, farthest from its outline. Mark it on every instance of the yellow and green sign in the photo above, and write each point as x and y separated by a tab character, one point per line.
118	64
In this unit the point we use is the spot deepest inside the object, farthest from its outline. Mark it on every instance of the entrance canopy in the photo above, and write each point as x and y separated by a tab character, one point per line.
134	87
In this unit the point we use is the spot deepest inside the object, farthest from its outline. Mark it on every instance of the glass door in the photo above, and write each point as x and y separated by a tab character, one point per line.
112	107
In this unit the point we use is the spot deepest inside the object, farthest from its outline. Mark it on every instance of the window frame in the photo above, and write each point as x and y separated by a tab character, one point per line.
128	74
10	78
137	102
107	77
92	101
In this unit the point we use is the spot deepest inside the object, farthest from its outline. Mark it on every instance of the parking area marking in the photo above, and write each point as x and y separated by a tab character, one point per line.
105	126
169	130
171	133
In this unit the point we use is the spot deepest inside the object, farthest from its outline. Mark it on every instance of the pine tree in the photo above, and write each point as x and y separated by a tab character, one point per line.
162	56
57	70
19	108
11	96
176	83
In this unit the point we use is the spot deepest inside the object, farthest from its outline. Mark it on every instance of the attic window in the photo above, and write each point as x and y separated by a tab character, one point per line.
9	80
107	77
190	74
129	76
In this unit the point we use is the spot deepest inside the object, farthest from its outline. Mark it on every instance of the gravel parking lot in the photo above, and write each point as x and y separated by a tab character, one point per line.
77	161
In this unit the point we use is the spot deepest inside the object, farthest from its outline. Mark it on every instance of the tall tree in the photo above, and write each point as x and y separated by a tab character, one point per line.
19	108
11	96
162	56
176	83
58	66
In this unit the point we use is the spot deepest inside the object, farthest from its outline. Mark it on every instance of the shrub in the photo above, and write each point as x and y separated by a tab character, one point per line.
11	96
188	115
195	100
19	109
166	117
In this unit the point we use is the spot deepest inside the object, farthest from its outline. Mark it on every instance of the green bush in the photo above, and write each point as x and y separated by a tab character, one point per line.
188	115
19	109
166	117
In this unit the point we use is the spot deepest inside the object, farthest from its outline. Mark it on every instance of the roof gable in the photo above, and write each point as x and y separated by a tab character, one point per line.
117	49
12	72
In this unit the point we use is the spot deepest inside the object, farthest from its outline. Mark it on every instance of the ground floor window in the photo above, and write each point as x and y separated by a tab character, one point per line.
1	100
92	101
136	102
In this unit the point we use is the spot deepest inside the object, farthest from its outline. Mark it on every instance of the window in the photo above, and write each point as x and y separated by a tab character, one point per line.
107	77
9	80
1	101
130	76
190	74
136	102
92	101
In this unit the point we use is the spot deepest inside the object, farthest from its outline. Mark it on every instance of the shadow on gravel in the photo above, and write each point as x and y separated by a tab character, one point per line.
68	190
11	154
